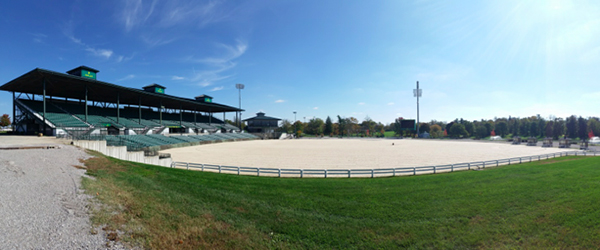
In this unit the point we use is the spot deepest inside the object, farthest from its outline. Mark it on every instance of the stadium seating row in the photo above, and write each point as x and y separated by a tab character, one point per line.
136	142
70	114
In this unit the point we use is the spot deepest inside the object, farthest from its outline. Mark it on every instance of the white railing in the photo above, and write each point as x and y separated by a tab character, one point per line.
370	173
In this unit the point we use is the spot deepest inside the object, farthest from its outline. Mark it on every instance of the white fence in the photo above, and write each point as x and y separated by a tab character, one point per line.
120	152
369	173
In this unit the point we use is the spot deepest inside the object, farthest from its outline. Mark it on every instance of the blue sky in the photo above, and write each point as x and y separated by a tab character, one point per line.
473	59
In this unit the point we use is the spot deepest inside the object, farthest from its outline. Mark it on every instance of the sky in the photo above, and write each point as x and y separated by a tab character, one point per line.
473	59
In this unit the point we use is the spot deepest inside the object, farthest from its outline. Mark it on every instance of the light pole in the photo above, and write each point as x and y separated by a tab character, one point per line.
417	93
240	86
295	124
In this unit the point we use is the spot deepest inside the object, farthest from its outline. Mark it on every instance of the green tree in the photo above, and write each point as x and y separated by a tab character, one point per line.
328	130
435	131
5	120
559	128
582	128
341	125
533	129
571	125
549	129
524	128
501	128
542	127
424	127
594	126
469	127
458	130
480	131
286	126
299	127
314	126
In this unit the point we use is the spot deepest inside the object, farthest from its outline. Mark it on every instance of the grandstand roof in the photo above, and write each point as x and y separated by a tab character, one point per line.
261	116
70	86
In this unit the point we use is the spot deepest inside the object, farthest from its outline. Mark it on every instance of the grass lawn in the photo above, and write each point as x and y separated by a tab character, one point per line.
547	204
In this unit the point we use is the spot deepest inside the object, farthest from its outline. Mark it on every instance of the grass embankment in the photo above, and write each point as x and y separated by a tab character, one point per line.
535	205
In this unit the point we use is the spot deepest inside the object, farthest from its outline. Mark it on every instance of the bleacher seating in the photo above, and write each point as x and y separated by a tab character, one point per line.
72	114
137	142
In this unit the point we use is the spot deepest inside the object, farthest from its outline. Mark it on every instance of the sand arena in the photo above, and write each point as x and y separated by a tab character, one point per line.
351	153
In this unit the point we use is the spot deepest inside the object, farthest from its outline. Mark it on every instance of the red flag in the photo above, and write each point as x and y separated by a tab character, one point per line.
493	133
591	134
445	133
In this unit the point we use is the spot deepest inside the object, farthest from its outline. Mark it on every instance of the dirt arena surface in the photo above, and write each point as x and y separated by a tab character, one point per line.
351	153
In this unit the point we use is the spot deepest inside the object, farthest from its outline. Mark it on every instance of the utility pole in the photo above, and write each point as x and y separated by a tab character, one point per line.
239	86
295	129
417	93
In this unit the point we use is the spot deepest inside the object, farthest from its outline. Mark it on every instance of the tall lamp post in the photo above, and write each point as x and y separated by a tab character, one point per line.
240	86
417	93
295	129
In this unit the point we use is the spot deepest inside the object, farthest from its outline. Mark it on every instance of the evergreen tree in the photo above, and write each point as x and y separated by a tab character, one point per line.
582	128
328	126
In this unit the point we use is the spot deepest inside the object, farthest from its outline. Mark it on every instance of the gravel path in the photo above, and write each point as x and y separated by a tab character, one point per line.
41	203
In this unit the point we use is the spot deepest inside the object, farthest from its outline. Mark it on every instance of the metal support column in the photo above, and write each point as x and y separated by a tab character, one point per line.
14	117
180	116
44	102
209	118
85	104
118	105
160	112
140	110
195	111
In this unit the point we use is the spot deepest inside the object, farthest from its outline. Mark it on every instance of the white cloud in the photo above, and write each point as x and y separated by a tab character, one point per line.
106	53
177	78
279	101
218	65
315	108
39	37
390	103
128	77
165	14
361	103
217	88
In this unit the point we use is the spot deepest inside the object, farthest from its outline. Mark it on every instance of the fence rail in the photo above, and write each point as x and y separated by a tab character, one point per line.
370	173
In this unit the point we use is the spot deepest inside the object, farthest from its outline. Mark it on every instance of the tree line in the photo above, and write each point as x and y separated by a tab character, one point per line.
533	126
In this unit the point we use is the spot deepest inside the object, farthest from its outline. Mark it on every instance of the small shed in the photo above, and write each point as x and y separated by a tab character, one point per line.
547	142
516	140
262	123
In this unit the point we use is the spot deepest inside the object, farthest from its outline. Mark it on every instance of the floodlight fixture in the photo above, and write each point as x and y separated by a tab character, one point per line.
240	86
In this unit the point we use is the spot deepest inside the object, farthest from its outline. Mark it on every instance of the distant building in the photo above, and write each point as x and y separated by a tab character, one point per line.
261	123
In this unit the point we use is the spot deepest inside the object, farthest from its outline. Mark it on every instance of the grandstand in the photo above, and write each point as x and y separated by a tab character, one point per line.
76	105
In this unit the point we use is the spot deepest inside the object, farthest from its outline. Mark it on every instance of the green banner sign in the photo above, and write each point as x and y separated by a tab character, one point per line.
159	90
88	74
206	99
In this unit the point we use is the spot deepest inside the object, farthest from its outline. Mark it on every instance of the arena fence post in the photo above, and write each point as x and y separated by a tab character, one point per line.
414	171
219	169
325	172
279	172
238	170
434	169
301	173
497	163
257	171
187	165
469	166
508	161
520	160
202	167
372	173
484	164
349	173
394	170
452	168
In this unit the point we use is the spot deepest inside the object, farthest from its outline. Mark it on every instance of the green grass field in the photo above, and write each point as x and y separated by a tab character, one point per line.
547	204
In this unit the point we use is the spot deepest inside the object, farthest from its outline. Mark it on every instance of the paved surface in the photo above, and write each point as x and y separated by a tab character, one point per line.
41	203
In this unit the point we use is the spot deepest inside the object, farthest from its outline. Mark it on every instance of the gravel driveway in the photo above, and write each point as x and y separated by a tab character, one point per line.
41	203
